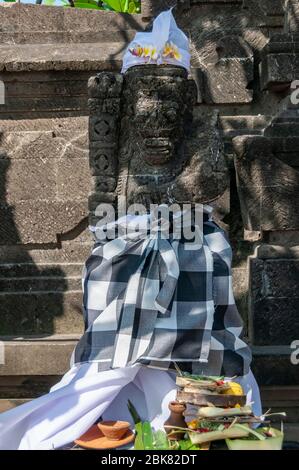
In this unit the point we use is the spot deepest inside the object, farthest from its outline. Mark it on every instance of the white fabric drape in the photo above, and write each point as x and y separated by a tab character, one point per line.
84	395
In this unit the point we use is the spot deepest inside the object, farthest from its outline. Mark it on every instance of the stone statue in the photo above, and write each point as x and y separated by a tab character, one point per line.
149	143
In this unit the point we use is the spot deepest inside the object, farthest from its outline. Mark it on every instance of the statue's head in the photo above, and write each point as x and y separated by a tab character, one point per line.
160	109
149	143
157	119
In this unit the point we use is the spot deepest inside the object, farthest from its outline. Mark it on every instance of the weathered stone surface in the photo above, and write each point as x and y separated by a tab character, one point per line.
9	404
76	57
267	7
285	397
21	23
266	251
292	16
240	287
41	312
21	354
42	223
267	187
151	8
24	387
281	278
27	180
279	61
274	301
40	283
73	179
275	321
287	118
105	86
75	250
288	238
279	67
40	270
228	72
272	367
43	145
59	125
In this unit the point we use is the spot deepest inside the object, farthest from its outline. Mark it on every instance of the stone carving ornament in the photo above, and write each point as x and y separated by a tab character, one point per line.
148	141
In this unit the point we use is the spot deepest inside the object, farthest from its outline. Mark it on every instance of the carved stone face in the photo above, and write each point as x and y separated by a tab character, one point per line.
149	143
158	103
158	120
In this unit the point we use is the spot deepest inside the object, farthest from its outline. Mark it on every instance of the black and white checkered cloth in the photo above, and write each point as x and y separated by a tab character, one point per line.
155	301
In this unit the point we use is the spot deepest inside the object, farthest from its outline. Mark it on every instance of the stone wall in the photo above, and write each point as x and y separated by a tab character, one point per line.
46	57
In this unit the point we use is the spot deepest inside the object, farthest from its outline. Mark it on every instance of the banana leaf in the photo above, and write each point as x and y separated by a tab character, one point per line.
125	6
160	440
270	443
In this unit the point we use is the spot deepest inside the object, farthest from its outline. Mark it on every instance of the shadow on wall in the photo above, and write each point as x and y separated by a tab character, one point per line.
30	297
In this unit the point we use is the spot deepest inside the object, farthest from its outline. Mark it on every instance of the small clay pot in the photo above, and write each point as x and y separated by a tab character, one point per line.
114	430
176	419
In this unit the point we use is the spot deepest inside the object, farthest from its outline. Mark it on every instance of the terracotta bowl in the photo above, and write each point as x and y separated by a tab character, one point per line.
114	430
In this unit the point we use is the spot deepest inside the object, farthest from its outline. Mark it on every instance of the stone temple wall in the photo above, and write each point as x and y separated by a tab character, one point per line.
244	58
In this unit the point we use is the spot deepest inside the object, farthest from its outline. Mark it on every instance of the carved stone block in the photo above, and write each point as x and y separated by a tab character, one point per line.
279	62
292	16
228	72
102	160
274	300
268	188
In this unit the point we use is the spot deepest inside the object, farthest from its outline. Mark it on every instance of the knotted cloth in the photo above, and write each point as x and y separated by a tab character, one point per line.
156	301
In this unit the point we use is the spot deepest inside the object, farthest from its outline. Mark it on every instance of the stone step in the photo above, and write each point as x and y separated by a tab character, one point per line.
33	355
29	285
21	23
15	270
281	398
10	403
272	366
69	253
41	312
48	57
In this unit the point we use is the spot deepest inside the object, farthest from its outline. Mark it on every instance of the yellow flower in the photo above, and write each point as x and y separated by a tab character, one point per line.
234	389
171	50
150	51
193	424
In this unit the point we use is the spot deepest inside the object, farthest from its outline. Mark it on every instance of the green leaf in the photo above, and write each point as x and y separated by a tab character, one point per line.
251	431
186	444
160	440
134	413
87	5
116	5
147	436
138	445
131	8
125	6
